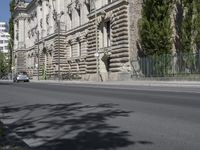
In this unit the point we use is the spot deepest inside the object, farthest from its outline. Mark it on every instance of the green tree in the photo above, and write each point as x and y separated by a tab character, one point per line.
186	30
155	27
155	31
197	32
186	27
3	65
11	32
197	24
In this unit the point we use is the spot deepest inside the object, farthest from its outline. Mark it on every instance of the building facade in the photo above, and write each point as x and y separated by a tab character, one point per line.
87	39
4	38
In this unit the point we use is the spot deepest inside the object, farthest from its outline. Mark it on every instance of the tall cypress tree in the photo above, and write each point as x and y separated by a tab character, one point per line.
186	59
155	30
3	65
155	27
186	27
197	24
197	33
11	32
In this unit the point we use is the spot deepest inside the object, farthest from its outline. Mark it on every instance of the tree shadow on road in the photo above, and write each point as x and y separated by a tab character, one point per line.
72	126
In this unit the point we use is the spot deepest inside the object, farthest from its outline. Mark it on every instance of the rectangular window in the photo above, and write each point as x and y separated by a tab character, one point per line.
108	33
6	41
101	35
104	35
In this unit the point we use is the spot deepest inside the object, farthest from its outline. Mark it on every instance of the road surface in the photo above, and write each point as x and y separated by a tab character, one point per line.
91	117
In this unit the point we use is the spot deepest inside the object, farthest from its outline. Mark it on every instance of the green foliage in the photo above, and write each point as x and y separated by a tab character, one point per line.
11	32
155	27
188	33
3	65
197	24
186	27
155	30
11	24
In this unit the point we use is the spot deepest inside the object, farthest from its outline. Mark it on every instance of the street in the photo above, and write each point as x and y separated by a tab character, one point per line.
50	116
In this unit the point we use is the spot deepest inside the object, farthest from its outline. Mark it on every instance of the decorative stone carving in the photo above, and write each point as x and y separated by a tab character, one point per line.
78	36
77	5
101	17
20	3
109	15
85	34
70	9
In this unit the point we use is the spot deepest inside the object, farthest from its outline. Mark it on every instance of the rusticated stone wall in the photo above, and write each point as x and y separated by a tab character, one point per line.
79	40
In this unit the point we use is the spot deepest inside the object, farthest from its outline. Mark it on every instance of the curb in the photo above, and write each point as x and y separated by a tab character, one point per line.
127	83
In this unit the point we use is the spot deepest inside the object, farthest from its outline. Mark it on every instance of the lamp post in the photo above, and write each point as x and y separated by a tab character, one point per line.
57	16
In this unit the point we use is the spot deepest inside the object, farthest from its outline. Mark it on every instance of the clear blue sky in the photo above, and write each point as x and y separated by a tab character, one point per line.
4	10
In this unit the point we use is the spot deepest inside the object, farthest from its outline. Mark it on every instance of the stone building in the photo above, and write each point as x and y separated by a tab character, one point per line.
91	39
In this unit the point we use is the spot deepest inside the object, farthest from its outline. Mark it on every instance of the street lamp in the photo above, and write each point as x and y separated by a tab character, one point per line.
57	16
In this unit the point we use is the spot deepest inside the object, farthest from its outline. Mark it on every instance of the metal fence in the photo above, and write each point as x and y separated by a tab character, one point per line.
169	65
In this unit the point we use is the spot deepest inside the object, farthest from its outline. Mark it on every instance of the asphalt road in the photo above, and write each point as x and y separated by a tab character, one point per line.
92	117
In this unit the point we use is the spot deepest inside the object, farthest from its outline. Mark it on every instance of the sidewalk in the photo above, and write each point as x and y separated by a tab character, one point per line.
127	83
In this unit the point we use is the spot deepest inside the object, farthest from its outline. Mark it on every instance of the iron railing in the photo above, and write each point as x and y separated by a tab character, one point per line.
168	65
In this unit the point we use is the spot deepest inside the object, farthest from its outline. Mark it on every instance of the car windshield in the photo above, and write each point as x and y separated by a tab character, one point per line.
22	73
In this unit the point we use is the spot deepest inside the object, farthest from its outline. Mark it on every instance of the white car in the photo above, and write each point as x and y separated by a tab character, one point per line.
21	76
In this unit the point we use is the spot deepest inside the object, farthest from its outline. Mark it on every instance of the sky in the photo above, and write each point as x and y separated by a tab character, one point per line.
4	10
